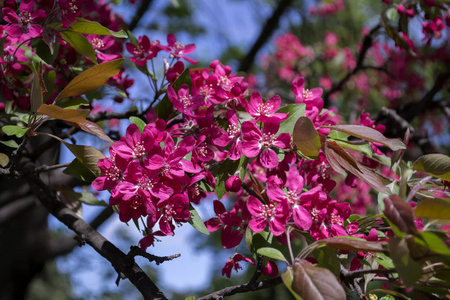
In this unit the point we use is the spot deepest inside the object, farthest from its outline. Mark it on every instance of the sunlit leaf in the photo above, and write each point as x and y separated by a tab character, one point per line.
437	165
4	160
91	27
314	283
196	221
14	130
139	123
435	243
295	112
436	208
271	253
306	138
10	143
91	79
80	43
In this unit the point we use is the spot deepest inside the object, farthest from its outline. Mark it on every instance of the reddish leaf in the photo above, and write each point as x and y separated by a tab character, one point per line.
306	137
369	134
74	117
340	160
316	283
400	214
354	244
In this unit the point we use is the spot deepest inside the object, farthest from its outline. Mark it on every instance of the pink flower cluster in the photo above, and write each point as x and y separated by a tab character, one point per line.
327	8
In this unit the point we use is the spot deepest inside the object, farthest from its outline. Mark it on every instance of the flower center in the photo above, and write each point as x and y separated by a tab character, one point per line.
139	150
97	43
25	17
267	139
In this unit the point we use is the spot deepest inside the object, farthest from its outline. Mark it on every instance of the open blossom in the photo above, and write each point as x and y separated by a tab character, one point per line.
25	21
271	214
179	50
233	263
261	111
253	141
144	51
176	209
183	101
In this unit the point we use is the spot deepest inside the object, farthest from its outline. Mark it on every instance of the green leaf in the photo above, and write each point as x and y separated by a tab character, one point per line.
190	298
342	139
87	155
4	160
91	79
385	261
314	283
90	27
10	143
288	278
295	112
78	169
408	269
369	134
49	81
306	138
272	253
44	52
196	221
222	172
164	108
80	43
14	130
435	243
72	103
436	208
328	259
139	122
437	165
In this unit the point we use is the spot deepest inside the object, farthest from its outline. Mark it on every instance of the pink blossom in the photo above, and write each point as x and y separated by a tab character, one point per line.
233	263
179	50
144	51
176	209
273	215
261	111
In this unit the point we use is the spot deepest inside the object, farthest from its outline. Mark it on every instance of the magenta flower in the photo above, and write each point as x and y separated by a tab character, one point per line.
25	21
146	50
276	216
261	111
176	209
183	101
112	174
233	263
179	50
254	141
312	98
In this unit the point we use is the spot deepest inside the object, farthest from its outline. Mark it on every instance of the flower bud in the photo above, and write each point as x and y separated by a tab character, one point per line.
233	184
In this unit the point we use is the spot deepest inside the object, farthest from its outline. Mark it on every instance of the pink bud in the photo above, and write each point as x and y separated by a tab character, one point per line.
233	184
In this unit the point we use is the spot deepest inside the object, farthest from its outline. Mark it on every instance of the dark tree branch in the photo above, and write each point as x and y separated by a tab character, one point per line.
136	251
124	267
418	108
139	14
367	43
249	287
266	32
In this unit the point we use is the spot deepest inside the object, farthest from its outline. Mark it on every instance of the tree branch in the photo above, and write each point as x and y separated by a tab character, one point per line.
367	43
266	32
139	14
118	259
249	287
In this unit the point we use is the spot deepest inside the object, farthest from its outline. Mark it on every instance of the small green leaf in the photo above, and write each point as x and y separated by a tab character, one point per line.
10	143
139	122
272	253
85	197
91	79
78	169
190	298
4	160
196	221
87	155
222	172
36	96
90	27
295	111
434	243
306	138
14	130
80	43
437	165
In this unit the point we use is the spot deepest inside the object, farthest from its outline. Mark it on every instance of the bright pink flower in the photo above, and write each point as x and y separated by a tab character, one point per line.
312	98
175	72
112	174
261	111
233	184
253	141
176	209
25	21
233	263
179	50
273	215
146	50
270	269
183	101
